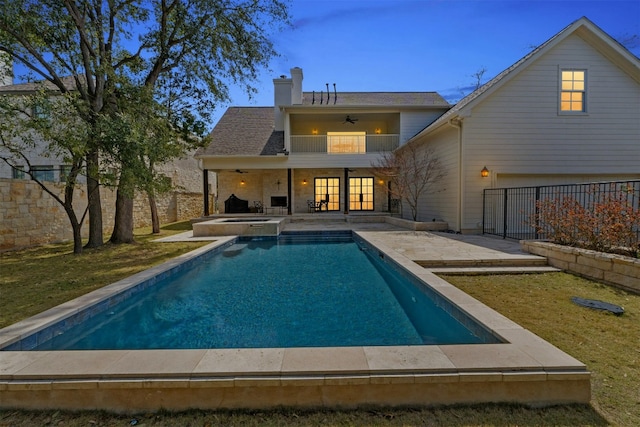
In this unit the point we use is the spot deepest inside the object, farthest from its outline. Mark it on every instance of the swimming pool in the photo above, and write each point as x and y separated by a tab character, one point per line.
523	369
295	291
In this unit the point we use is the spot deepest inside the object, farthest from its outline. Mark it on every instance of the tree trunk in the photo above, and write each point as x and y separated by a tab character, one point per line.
77	235
155	221
76	226
123	226
96	238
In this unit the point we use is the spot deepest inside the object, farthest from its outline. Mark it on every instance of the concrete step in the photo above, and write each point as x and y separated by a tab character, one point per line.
469	271
523	261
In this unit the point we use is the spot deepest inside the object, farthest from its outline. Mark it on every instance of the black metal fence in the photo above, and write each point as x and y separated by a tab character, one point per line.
512	212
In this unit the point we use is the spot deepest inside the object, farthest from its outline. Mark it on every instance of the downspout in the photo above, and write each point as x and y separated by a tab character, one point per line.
457	123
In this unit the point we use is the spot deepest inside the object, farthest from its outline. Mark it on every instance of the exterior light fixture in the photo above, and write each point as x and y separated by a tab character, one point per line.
381	181
378	131
242	182
304	182
314	131
484	172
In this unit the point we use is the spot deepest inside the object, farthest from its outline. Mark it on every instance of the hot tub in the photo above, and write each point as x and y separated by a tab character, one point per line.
238	227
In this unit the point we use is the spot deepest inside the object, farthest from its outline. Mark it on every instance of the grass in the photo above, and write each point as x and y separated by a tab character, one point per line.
33	280
609	345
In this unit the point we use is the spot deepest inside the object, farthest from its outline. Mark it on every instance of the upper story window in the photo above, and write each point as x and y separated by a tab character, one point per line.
18	172
40	110
65	170
42	173
346	142
573	91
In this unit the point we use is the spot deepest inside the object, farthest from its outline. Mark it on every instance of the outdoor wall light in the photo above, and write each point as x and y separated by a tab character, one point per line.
381	181
314	131
484	172
304	182
242	182
378	131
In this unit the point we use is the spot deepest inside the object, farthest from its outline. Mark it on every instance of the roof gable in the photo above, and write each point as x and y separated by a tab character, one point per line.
584	28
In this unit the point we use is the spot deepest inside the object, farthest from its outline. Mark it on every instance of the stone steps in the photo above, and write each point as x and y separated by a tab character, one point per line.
523	261
470	271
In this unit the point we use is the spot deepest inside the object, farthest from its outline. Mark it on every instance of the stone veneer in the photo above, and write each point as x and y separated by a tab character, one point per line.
617	270
29	216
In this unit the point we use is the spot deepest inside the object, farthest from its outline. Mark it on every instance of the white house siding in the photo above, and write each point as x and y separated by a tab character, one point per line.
517	129
412	122
442	205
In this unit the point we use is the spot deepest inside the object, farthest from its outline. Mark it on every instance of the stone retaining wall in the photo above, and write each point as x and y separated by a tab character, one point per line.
617	270
29	216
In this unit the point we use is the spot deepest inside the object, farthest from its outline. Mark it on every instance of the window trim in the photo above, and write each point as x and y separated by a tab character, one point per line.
585	92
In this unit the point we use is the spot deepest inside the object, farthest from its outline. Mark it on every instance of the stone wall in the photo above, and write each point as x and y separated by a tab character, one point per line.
29	216
617	270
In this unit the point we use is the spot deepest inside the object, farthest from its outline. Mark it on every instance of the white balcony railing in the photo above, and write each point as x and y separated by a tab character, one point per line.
318	144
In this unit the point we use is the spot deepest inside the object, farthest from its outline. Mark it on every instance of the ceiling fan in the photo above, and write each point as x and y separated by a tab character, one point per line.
348	119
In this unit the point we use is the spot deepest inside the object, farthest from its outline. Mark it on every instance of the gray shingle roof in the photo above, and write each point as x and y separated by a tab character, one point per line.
399	99
30	87
246	131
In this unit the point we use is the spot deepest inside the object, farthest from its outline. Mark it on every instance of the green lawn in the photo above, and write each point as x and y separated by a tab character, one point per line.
33	280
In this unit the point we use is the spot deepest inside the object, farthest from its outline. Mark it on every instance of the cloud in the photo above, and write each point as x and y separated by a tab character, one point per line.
360	10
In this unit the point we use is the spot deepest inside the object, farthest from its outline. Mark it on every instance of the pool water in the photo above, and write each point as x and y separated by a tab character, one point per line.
274	293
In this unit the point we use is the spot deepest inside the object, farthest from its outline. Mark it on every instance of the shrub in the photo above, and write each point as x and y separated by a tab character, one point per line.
606	221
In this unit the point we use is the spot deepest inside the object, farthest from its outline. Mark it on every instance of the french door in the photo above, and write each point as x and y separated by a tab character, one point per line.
327	190
360	194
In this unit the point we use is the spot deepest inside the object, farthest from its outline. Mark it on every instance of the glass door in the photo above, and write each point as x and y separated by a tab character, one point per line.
327	191
360	194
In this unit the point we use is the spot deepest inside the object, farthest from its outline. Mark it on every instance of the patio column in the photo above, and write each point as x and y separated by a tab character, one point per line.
346	191
289	201
205	185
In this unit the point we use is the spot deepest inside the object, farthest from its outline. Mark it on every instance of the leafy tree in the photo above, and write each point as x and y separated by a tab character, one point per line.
36	124
111	46
413	173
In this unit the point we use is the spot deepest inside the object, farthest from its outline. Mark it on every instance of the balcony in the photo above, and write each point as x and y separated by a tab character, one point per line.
368	144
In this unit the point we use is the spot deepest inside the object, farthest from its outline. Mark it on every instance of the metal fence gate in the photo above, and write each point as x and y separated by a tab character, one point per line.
511	212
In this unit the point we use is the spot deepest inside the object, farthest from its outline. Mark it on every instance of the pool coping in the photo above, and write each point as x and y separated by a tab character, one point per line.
525	369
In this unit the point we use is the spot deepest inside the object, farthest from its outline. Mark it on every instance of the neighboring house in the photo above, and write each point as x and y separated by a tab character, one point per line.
313	150
45	166
48	167
567	112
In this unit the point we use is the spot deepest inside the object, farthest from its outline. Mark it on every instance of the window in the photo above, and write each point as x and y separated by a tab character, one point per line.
346	142
327	191
65	170
573	91
40	110
18	172
42	173
360	194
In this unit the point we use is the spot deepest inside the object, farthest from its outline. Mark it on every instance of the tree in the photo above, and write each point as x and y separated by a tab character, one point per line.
413	172
38	124
108	45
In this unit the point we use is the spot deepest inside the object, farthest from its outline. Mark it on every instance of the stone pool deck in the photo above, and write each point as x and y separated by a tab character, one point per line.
524	369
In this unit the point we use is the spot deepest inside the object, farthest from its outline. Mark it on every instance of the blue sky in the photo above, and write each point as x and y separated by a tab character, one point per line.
423	45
